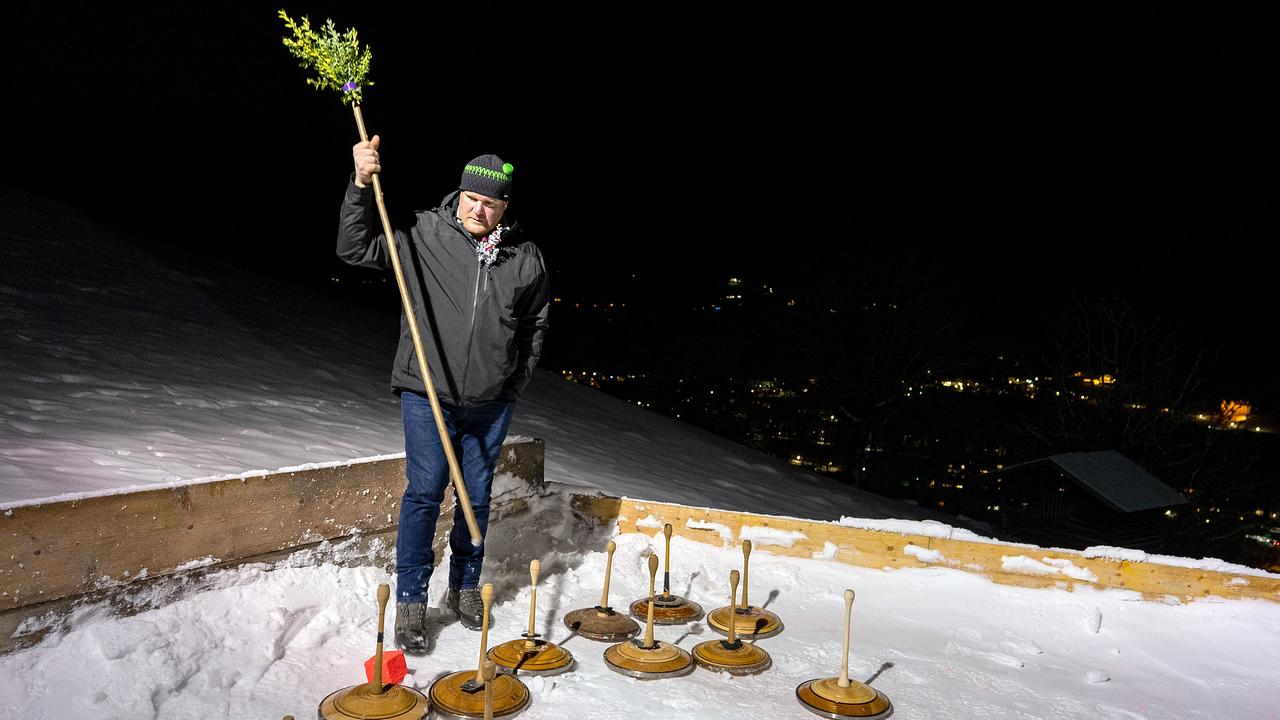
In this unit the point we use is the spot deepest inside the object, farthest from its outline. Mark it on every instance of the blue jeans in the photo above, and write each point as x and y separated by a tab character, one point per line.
477	433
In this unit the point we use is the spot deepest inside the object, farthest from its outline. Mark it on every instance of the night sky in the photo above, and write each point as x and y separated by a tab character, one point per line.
1033	153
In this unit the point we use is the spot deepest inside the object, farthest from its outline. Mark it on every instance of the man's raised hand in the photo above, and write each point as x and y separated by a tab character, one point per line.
367	160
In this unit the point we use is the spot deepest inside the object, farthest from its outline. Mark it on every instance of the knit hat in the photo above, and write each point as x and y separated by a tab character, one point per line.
488	175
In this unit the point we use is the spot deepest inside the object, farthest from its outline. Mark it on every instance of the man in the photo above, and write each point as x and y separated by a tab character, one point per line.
479	293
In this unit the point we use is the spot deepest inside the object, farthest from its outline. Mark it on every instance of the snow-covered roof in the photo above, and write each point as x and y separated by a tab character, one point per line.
1113	478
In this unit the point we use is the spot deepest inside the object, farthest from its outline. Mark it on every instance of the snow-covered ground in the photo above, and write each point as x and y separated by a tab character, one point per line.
942	644
117	371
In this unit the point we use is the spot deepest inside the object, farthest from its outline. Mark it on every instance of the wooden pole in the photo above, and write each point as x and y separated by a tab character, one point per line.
454	473
486	597
666	563
384	592
648	628
733	602
844	654
534	568
488	671
608	567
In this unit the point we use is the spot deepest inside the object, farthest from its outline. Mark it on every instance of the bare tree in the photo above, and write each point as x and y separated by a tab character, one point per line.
1122	378
1125	379
869	315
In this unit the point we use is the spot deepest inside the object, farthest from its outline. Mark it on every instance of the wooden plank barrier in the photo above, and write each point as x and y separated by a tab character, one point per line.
72	547
53	554
1008	564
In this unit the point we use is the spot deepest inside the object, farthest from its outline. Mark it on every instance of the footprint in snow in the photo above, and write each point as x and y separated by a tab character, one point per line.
1003	659
1021	646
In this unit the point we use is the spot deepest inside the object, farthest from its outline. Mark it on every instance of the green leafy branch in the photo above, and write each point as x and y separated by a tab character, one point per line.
336	58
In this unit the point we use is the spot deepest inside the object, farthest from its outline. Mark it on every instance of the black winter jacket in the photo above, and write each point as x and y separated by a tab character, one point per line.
486	323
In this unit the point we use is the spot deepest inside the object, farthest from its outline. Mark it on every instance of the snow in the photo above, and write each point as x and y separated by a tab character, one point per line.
759	535
1046	566
724	531
924	555
265	641
923	528
828	551
205	561
1068	568
1212	564
119	372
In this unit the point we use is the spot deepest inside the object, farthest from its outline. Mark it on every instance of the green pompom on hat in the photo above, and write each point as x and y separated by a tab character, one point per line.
489	176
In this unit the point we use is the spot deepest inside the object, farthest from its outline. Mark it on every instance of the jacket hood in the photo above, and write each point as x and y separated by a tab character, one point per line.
448	210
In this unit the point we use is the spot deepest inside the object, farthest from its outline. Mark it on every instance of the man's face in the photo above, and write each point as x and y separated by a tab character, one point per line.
480	214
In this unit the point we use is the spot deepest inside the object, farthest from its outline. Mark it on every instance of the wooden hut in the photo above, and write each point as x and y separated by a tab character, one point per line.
1076	500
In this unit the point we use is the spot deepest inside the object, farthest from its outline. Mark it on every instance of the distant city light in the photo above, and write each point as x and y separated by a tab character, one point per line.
1233	412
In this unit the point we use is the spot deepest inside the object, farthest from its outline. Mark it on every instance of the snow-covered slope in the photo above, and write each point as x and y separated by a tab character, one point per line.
117	370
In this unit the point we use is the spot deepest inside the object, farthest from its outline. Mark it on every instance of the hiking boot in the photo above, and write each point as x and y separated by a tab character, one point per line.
411	628
468	605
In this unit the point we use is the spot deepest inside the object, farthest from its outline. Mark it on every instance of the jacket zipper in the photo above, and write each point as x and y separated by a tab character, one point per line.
471	333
